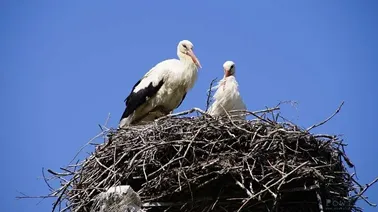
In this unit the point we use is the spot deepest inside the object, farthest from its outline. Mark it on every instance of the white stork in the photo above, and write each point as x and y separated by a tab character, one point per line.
227	97
163	88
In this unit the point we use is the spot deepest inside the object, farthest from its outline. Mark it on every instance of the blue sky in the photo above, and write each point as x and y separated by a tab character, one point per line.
64	65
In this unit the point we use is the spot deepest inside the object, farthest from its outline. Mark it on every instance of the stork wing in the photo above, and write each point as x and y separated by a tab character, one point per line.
183	97
146	88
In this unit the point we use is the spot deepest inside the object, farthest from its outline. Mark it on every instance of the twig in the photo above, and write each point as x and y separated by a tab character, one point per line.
278	181
209	92
242	186
182	113
45	179
325	121
320	203
365	188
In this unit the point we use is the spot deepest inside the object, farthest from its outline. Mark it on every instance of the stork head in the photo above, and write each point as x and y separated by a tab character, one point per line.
229	68
185	52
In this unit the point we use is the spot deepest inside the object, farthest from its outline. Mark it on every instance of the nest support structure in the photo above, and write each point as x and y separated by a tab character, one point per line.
201	163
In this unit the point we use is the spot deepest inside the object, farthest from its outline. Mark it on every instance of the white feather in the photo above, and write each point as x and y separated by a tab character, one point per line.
227	98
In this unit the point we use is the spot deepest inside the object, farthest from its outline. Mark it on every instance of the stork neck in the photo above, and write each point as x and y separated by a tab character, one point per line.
188	62
187	72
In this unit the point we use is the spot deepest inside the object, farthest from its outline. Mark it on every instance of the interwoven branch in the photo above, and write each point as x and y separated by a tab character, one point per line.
206	164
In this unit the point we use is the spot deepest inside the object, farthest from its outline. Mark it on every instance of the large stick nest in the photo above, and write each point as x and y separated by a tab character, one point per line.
205	164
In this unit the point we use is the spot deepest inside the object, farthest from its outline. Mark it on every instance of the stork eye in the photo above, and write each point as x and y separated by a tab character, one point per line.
184	46
232	66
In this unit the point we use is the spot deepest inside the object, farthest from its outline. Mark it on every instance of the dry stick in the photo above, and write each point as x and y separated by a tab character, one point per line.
195	109
58	174
190	188
24	196
233	123
68	171
259	117
61	195
92	139
319	198
66	208
278	181
364	190
107	168
270	191
325	121
216	201
45	179
165	165
85	145
190	144
144	170
242	186
258	111
209	94
114	161
293	103
132	160
266	110
106	121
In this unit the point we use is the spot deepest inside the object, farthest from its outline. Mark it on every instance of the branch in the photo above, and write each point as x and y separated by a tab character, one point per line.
329	118
278	181
209	92
364	190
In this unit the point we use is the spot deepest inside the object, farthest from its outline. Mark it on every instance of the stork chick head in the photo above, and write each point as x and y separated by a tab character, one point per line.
185	52
229	68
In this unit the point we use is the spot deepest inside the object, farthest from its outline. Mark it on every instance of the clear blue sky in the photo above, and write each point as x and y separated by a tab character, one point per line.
66	64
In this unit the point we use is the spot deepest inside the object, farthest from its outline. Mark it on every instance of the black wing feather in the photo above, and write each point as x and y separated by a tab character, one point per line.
127	98
181	100
136	99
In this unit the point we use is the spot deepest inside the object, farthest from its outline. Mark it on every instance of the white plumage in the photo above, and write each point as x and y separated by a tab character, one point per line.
227	97
163	88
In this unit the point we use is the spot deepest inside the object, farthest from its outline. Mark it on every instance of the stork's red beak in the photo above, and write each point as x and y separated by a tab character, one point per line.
194	58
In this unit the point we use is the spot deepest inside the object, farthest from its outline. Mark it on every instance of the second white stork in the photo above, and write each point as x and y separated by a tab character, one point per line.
227	97
163	88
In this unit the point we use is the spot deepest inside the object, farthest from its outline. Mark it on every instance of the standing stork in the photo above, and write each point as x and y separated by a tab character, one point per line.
163	88
227	97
